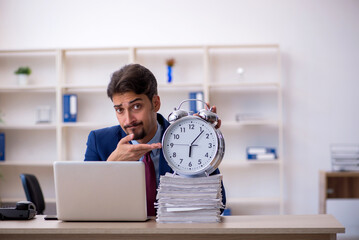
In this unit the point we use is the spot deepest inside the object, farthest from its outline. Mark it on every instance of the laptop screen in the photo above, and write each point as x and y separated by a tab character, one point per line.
100	191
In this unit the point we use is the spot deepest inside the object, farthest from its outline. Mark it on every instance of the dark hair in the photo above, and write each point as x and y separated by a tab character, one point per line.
133	78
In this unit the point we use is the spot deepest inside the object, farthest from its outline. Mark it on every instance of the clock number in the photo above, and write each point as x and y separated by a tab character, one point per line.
191	126
176	136
171	144
189	164
174	154
209	145
206	155
200	129
199	161
183	129
181	160
207	136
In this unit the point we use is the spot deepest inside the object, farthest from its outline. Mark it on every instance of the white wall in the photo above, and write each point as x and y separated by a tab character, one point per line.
319	41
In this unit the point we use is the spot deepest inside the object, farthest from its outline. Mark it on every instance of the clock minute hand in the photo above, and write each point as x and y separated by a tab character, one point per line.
190	146
197	137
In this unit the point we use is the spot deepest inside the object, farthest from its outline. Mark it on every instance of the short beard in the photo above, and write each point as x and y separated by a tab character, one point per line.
137	136
141	135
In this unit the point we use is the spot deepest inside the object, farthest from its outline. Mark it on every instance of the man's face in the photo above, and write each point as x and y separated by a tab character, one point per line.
137	114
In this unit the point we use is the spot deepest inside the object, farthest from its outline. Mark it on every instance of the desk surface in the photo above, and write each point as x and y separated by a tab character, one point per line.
288	225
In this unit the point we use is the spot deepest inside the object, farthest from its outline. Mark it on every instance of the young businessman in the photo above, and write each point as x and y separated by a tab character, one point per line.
133	91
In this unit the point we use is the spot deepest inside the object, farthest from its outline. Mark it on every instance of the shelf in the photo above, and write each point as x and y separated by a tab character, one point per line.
244	163
174	86
90	125
25	53
85	88
276	46
254	200
244	85
169	47
27	164
40	126
34	88
97	51
233	124
159	47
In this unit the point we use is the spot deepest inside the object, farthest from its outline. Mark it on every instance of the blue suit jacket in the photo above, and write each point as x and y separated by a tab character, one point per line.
102	142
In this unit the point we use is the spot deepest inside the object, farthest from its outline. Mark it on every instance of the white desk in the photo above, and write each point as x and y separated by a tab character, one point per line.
233	227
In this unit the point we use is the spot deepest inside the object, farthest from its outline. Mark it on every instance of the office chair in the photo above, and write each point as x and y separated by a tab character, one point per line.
33	191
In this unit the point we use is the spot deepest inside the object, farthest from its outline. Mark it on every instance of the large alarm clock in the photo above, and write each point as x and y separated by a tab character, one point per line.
192	146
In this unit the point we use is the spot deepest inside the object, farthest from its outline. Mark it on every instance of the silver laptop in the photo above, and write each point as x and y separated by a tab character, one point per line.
100	191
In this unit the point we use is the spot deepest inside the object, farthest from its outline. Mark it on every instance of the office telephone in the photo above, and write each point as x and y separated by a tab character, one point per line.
22	211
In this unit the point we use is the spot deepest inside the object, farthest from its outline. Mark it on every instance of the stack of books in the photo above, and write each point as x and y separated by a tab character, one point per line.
261	153
345	157
189	200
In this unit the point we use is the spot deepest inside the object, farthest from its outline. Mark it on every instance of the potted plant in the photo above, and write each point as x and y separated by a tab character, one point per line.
23	75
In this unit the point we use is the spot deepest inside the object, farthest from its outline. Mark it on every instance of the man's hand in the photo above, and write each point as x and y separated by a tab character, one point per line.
128	152
214	109
219	122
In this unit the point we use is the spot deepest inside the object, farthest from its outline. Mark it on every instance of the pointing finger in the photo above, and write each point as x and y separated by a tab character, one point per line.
126	139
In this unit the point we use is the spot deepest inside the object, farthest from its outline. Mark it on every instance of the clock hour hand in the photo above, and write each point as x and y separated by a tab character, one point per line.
190	149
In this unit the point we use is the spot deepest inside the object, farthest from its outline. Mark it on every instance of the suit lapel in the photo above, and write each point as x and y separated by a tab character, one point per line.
163	166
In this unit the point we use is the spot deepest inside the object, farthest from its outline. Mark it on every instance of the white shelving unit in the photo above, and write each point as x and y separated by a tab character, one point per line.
252	186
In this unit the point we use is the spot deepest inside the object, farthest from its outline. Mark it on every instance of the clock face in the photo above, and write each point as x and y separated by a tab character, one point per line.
189	145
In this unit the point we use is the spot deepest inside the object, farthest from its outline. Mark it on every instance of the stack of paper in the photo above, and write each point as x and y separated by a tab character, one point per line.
187	200
345	157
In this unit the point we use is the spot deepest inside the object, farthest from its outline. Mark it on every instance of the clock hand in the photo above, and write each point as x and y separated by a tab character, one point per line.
190	149
197	137
182	144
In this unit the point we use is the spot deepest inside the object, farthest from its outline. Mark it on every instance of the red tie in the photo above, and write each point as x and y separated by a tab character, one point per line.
150	184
